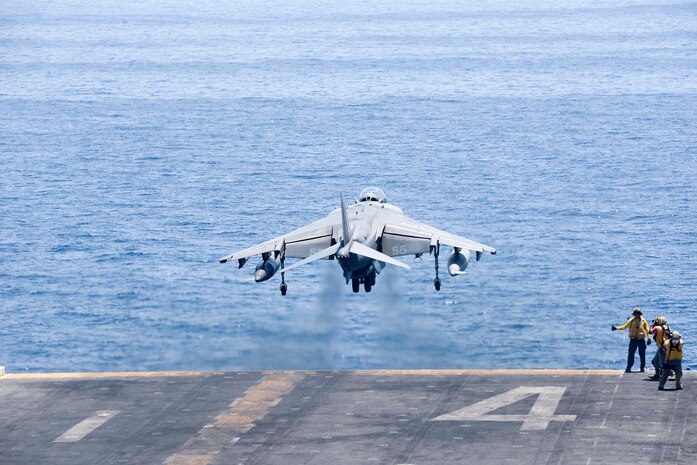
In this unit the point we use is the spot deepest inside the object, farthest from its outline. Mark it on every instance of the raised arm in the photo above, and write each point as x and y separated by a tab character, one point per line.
626	325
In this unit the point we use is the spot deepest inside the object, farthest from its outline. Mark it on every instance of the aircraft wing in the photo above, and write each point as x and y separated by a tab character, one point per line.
407	236
300	243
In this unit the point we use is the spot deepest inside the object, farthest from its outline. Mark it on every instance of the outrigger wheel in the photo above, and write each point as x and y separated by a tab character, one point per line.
284	286
436	282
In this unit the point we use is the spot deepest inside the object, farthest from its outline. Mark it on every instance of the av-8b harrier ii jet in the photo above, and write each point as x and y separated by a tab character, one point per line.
363	238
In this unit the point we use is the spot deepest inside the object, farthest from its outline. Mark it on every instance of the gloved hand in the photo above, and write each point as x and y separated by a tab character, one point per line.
648	343
613	328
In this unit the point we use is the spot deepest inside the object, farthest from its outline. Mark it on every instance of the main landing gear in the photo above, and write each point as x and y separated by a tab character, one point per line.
368	283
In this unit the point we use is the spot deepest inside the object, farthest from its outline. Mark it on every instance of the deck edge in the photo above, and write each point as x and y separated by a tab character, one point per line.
424	372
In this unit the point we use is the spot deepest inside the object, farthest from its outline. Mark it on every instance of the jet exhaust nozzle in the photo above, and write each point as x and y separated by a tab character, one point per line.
457	262
266	269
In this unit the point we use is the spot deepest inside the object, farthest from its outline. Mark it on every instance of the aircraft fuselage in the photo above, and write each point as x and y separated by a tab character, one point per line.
366	226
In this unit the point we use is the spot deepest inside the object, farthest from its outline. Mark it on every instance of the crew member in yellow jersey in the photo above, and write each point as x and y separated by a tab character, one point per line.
638	332
673	347
661	332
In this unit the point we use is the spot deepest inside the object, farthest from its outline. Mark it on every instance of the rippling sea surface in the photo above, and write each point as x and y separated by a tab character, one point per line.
141	141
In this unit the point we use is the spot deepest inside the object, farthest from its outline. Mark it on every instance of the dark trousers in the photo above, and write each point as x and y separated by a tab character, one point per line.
635	344
676	366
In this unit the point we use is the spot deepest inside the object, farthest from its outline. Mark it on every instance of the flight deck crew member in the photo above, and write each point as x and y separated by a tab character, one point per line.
638	331
661	333
673	347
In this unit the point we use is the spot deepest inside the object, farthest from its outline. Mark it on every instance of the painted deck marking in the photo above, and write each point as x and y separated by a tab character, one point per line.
227	427
541	413
86	426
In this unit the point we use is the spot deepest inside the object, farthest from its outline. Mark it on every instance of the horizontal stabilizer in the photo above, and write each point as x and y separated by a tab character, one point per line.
360	249
331	250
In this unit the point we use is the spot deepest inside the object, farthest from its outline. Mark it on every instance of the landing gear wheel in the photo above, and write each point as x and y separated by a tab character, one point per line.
356	284
367	284
372	279
436	282
284	288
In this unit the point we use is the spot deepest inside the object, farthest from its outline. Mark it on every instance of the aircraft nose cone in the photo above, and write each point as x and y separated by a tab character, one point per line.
260	275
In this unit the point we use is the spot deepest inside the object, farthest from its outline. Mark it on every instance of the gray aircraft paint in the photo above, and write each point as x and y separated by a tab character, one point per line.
363	238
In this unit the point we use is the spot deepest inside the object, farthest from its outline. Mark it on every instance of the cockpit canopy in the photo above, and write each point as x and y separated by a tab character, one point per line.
372	194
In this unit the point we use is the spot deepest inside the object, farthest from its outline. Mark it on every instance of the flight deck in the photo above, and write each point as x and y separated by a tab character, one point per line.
346	417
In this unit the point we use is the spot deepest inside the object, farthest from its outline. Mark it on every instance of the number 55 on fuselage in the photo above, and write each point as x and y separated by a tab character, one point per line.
362	238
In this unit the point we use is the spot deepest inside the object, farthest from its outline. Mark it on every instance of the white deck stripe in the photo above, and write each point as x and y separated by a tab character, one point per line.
86	426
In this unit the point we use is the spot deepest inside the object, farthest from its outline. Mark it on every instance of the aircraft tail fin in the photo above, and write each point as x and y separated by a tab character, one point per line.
345	222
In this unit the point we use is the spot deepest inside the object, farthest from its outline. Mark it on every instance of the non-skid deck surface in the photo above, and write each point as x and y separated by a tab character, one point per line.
351	417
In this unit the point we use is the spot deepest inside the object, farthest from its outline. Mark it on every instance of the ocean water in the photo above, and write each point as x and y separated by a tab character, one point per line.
141	141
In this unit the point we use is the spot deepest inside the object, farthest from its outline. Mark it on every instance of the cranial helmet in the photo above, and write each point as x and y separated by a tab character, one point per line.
661	320
675	336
